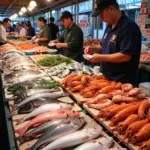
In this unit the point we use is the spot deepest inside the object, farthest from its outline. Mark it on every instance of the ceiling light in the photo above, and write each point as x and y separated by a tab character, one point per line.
15	16
32	4
30	8
23	9
20	13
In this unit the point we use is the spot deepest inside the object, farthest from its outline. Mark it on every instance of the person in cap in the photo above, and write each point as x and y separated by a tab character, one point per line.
121	44
72	39
44	36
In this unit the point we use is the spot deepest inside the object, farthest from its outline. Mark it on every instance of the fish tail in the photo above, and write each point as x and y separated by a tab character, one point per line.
21	139
19	121
21	131
65	94
14	107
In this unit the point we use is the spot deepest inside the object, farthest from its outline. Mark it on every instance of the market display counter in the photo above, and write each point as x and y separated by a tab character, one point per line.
75	98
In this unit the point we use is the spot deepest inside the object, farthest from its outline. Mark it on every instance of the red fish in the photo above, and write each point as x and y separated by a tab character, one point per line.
40	119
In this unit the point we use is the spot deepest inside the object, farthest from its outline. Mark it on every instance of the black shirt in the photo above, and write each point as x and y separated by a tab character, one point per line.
31	32
74	38
124	38
54	30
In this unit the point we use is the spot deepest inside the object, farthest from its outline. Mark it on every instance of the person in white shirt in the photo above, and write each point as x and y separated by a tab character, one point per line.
22	31
3	35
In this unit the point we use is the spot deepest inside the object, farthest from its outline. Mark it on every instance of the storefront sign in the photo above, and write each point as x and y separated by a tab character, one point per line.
129	2
83	22
144	18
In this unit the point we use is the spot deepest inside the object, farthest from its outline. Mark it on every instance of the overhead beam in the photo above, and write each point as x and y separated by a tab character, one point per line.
9	7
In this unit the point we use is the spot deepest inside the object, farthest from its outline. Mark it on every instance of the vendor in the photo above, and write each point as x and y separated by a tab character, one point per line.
30	31
44	36
72	39
22	31
121	44
3	35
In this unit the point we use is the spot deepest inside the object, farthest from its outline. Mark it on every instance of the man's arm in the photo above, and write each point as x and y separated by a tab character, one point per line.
114	58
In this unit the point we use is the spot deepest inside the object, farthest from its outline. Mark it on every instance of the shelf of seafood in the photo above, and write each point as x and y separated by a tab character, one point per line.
27	47
39	91
121	108
43	114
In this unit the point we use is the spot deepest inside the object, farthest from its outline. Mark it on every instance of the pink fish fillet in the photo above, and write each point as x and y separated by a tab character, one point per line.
40	119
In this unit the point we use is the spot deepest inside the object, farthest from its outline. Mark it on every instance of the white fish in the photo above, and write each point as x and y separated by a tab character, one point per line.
74	139
39	95
45	108
99	144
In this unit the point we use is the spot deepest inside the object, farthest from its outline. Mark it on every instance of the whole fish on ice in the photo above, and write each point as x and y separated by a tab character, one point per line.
68	126
37	96
45	117
45	108
103	142
74	139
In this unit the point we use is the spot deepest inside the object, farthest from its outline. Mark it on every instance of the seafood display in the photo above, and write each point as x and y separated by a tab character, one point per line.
50	61
145	57
45	121
74	139
27	46
63	70
92	42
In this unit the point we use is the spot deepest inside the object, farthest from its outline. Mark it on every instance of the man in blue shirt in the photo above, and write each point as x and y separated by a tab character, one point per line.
121	44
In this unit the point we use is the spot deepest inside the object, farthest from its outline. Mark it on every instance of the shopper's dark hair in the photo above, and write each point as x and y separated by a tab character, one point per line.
28	25
42	19
6	20
20	25
52	19
116	6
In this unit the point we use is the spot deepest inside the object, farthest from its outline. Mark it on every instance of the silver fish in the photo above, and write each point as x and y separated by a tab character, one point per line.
68	126
74	139
39	130
45	108
65	73
39	95
55	72
87	70
36	91
103	142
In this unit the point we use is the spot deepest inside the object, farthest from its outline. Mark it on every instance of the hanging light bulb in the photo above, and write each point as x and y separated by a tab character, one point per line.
15	16
30	8
33	4
20	13
23	9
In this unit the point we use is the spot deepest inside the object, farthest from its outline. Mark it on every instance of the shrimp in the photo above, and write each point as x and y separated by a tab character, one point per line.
127	87
135	127
134	91
142	108
142	135
101	105
98	98
120	99
124	113
122	126
145	145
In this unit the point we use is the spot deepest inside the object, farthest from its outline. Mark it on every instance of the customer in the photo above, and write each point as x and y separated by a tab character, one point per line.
22	30
30	31
72	39
54	29
44	35
121	44
3	35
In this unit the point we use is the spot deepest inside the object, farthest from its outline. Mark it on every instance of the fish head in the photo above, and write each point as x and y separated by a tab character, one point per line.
77	121
71	113
95	132
65	106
